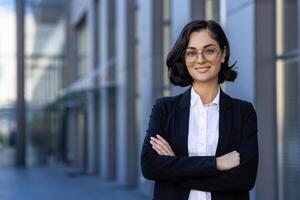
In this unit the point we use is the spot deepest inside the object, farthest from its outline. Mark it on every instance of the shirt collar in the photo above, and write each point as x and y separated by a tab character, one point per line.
196	100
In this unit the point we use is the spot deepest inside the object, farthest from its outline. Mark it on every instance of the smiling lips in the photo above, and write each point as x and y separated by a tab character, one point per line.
202	69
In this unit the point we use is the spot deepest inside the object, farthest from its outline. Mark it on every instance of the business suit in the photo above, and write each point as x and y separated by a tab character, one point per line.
176	176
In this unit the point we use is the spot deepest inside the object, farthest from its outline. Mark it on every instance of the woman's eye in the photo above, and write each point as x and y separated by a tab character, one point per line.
192	53
209	51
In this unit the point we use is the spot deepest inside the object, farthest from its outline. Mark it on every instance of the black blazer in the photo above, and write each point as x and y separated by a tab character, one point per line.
176	175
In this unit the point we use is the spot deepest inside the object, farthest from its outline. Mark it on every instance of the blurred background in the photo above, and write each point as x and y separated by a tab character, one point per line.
78	79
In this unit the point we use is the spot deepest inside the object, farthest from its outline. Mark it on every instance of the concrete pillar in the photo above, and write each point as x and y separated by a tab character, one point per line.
145	27
127	151
107	103
197	9
21	120
265	98
91	104
91	134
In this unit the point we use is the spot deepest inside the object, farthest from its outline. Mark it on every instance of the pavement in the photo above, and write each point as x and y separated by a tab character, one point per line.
55	183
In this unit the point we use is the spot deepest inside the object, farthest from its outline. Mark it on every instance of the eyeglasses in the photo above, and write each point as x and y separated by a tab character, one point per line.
208	54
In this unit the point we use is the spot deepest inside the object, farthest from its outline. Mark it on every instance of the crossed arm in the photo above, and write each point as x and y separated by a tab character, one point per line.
228	172
232	176
225	162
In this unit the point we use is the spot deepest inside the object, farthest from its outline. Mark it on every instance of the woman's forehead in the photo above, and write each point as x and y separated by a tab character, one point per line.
200	39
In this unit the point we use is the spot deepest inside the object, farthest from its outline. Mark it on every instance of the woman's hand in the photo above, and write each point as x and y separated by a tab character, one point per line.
225	162
228	161
161	146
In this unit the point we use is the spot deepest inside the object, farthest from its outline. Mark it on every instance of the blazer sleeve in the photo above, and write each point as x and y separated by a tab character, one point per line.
241	178
170	168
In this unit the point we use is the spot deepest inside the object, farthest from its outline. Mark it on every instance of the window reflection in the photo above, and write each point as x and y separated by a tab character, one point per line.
288	128
287	83
44	65
286	17
7	83
212	10
82	48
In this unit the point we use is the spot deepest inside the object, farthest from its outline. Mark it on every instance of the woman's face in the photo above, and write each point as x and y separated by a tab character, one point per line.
203	57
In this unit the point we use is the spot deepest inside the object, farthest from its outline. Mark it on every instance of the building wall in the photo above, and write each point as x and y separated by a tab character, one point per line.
242	50
254	50
126	63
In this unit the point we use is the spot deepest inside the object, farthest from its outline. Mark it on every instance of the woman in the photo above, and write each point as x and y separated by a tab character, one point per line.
201	144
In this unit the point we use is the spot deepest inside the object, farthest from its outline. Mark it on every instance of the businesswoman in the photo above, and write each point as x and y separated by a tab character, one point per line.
201	144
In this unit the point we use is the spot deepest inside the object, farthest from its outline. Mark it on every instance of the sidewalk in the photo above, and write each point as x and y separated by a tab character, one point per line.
53	183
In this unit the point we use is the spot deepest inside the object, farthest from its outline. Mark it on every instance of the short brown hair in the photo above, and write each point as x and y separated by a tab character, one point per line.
178	73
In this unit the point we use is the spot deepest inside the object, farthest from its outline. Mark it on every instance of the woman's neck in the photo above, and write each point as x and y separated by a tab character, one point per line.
206	91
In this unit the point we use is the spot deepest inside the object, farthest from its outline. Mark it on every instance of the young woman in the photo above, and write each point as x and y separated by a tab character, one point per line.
201	144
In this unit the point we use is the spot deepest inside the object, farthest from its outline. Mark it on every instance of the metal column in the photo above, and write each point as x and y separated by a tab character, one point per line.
21	133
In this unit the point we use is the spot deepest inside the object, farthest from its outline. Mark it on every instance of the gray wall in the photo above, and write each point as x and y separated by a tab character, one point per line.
115	136
241	34
250	26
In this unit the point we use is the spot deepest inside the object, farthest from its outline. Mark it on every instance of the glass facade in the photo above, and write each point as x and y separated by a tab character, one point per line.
7	83
44	54
83	67
288	106
212	10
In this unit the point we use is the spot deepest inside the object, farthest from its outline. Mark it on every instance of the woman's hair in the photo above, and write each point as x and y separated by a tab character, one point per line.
178	73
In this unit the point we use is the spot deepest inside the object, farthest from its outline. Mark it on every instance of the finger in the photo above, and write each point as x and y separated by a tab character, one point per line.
155	148
159	148
162	146
158	141
237	153
160	151
164	141
169	149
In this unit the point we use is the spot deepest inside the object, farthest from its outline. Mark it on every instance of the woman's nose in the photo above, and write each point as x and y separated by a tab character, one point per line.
200	58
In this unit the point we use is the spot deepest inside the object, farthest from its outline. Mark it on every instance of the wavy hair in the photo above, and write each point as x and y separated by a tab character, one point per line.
177	70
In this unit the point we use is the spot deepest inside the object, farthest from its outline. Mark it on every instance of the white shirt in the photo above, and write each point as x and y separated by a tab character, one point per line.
203	133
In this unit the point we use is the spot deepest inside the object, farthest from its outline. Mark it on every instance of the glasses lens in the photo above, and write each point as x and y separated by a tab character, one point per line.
210	53
191	55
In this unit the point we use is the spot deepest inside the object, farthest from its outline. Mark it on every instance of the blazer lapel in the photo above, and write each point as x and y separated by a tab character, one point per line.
225	121
182	115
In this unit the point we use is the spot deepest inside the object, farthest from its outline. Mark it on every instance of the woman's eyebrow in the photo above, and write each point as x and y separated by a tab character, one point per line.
193	48
208	45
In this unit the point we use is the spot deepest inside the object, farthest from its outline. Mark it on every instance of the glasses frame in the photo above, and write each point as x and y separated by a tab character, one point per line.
201	52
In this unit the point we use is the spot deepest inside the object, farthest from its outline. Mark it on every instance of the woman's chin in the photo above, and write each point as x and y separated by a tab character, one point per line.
205	79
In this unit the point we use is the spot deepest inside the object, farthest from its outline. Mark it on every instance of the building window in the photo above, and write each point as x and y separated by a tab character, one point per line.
212	10
288	106
82	48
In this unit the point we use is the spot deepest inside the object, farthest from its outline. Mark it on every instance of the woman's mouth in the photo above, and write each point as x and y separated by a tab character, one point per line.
202	69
